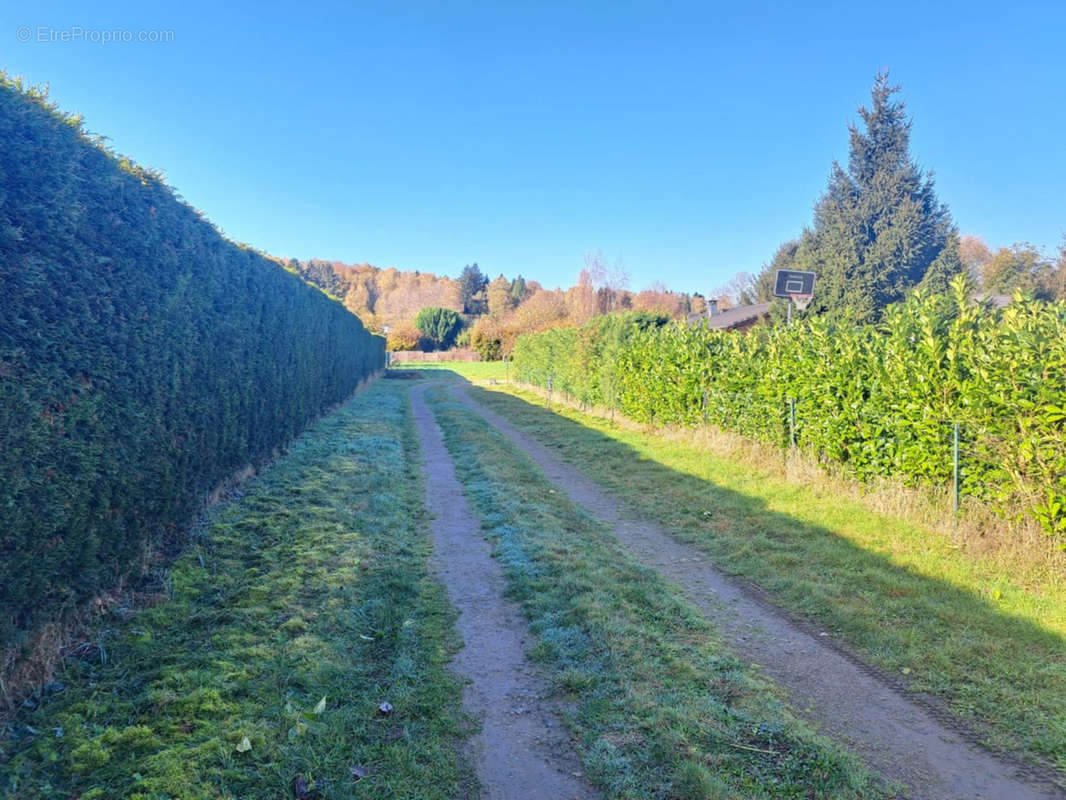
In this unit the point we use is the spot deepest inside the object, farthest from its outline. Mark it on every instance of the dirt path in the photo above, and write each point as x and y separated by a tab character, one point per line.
896	737
522	750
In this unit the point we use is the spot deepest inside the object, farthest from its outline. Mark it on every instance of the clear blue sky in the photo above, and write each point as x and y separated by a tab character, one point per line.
687	140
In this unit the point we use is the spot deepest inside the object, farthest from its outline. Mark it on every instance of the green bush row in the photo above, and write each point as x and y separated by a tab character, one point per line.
143	358
879	400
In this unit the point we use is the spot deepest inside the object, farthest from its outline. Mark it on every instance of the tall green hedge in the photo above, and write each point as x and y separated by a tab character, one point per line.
143	357
878	400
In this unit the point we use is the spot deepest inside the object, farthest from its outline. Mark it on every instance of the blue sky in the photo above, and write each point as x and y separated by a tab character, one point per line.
685	140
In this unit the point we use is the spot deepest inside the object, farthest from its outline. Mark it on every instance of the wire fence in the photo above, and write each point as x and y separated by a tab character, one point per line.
968	457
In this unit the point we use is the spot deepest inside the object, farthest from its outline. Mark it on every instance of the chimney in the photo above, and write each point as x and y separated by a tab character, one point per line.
712	308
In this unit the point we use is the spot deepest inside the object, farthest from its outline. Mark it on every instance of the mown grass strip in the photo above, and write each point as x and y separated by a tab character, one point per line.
312	585
660	707
900	595
473	370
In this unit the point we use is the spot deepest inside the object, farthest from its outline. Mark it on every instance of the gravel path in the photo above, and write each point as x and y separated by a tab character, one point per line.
522	750
895	736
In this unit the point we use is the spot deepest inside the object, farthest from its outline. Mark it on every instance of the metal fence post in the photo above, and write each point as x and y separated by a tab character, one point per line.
955	465
792	422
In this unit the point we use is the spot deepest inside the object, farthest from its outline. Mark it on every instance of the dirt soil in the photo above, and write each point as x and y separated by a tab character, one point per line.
523	750
897	737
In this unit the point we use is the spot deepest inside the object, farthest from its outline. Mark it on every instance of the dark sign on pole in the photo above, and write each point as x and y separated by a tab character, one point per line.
791	282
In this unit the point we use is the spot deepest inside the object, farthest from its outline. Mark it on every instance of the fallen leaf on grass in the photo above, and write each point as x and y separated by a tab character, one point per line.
358	772
320	707
245	745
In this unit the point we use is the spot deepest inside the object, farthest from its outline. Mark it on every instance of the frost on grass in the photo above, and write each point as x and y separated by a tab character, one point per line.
268	664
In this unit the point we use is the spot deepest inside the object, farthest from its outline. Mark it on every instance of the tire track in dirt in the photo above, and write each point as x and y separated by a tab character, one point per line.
522	750
847	701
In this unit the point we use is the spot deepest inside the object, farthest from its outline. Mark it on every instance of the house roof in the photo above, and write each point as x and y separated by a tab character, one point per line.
732	317
735	317
996	300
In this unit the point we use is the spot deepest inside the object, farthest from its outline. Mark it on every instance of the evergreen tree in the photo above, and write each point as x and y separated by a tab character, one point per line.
518	289
945	266
472	284
439	325
879	229
322	275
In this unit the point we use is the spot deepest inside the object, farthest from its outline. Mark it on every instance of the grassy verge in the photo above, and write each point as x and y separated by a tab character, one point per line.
901	595
660	707
476	371
296	611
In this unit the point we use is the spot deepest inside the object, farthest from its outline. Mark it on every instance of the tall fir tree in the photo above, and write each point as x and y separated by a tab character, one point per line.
879	229
472	284
518	289
439	326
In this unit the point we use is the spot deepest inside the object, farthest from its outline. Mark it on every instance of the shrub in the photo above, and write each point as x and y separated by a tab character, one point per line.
878	400
439	325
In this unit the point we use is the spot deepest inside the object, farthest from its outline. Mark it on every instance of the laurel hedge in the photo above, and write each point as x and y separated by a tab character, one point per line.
881	400
143	358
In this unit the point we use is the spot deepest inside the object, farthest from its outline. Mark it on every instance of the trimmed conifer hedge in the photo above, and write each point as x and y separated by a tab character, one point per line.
143	358
878	400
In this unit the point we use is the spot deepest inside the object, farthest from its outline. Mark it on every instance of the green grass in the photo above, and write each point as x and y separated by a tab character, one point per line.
312	585
901	596
475	371
661	709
